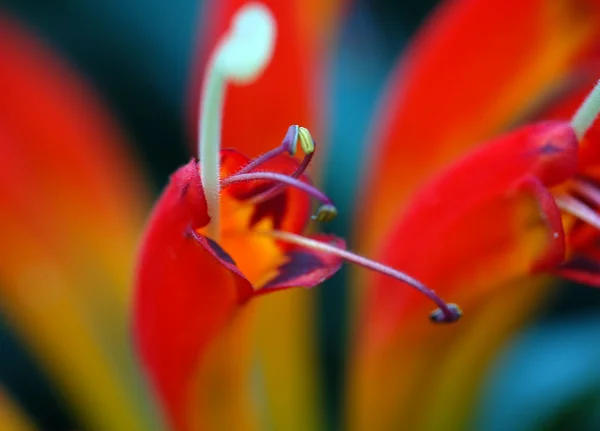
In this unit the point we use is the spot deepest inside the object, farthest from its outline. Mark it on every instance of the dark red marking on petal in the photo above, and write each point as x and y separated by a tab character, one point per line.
218	253
273	208
306	267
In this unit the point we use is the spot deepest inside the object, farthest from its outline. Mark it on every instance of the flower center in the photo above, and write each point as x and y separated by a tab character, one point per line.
445	313
241	55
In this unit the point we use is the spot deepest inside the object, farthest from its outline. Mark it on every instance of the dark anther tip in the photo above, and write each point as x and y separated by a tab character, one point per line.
438	316
291	139
325	213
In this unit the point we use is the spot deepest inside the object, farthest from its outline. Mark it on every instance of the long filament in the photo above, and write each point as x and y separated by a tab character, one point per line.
446	313
240	56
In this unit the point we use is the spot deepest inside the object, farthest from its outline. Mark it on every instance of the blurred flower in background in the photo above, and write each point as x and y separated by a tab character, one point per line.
73	208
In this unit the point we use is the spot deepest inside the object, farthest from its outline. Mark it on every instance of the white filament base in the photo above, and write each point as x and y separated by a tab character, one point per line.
587	113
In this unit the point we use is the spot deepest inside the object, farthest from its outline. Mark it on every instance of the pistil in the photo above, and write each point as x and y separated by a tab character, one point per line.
587	113
240	57
445	313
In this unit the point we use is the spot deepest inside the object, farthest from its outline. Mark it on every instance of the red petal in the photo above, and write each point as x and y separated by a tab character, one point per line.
305	267
474	69
487	218
72	204
184	295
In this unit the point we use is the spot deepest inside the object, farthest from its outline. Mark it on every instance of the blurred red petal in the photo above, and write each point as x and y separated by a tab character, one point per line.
474	69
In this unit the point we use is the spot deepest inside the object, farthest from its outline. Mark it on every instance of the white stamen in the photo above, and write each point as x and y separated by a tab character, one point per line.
575	207
587	113
240	57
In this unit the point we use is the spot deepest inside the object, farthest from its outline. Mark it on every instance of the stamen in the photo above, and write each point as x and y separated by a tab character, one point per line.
289	144
575	207
294	135
587	190
446	313
326	212
240	57
586	115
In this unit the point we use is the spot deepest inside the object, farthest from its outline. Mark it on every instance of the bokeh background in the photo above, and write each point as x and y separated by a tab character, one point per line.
138	56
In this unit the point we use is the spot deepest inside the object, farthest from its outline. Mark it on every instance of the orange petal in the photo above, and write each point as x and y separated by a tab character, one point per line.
72	206
474	69
486	221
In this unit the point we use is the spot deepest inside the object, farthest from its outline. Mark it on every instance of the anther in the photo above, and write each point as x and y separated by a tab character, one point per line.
294	135
438	316
325	213
289	144
290	141
306	141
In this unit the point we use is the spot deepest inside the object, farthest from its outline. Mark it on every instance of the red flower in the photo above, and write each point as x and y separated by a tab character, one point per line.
228	229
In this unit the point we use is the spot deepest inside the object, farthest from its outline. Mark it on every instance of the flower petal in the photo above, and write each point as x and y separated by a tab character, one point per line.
474	69
72	206
485	222
466	259
185	297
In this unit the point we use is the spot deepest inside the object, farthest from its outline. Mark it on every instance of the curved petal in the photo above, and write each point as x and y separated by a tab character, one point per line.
474	69
465	260
185	297
434	377
256	115
72	205
486	221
